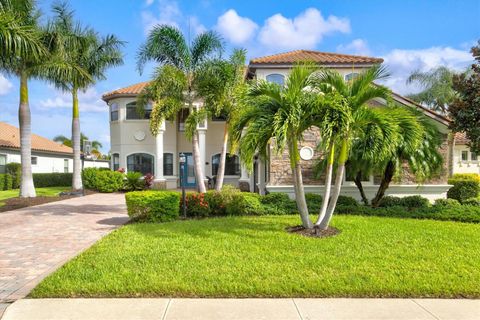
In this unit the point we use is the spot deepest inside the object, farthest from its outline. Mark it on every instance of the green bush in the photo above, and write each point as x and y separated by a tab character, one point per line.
15	170
153	206
467	176
390	201
197	206
216	203
346	201
55	179
446	203
472	202
314	202
245	204
109	181
463	189
89	176
133	181
278	203
414	202
6	181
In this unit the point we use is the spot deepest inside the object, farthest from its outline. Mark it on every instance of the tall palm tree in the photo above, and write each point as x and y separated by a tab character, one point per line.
357	120
174	82
280	115
96	145
27	57
219	82
84	49
437	90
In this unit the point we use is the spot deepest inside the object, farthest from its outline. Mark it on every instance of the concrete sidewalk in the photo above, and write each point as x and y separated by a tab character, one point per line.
212	309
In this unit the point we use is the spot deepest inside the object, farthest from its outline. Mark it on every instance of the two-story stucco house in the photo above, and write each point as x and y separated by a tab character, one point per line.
135	149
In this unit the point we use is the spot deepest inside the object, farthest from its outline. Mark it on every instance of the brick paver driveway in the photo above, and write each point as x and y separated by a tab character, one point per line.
37	240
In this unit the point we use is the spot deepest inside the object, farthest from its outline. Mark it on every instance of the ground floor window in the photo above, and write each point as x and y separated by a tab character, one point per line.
34	160
65	165
168	164
232	165
140	162
465	155
116	161
3	163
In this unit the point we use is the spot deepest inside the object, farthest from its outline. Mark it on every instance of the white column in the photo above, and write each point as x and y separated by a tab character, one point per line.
203	150
261	177
159	154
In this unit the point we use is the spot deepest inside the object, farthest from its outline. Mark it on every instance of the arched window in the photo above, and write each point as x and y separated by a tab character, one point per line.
140	162
232	165
351	76
276	78
168	164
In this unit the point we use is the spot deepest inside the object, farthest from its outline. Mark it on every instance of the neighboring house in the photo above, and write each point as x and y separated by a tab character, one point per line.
135	149
47	155
464	161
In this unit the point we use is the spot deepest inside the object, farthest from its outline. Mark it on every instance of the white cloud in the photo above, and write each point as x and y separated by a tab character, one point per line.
89	101
234	28
168	13
304	31
195	26
149	2
357	46
5	85
401	63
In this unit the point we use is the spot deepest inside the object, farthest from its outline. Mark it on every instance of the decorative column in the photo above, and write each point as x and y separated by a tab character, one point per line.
261	177
244	182
203	149
159	181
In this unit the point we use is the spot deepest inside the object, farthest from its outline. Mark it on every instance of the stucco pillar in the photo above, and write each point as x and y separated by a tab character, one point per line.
159	181
203	149
261	177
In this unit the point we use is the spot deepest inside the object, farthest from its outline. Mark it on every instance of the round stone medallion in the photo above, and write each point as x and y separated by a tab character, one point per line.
139	135
306	153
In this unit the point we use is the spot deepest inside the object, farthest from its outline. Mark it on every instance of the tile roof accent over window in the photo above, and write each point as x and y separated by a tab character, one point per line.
315	56
461	138
127	91
10	138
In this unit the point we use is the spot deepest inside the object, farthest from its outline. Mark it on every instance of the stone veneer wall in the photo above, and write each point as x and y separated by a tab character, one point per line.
281	172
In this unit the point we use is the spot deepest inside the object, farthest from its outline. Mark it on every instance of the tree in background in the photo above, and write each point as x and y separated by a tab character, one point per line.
174	82
25	53
437	91
96	145
465	109
219	83
85	50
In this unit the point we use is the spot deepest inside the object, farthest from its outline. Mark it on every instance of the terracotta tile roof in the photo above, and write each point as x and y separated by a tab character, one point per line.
130	90
315	56
461	138
10	138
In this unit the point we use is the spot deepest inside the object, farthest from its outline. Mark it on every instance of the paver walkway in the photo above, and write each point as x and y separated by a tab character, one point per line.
248	309
37	240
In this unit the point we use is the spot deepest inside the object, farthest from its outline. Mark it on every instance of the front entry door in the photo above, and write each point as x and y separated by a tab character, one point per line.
189	171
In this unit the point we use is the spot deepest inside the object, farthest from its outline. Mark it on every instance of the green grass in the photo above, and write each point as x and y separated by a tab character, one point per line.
49	192
255	257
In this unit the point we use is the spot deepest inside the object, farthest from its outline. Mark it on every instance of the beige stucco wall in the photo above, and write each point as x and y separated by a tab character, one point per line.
262	73
460	166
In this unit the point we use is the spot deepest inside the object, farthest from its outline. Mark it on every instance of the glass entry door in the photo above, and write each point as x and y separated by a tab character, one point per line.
189	171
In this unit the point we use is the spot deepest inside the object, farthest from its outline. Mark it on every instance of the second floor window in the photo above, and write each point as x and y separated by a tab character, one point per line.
114	112
133	114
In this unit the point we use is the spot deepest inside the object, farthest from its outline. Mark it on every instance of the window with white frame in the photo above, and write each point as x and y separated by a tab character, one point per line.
232	164
474	156
3	163
116	161
276	78
464	155
140	162
34	160
114	112
168	164
351	76
65	165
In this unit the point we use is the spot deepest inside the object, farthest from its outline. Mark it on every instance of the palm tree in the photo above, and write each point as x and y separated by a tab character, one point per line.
417	147
279	115
357	119
27	57
174	82
219	82
87	51
96	145
437	90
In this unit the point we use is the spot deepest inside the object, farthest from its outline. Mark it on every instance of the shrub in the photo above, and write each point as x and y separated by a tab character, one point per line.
15	170
108	181
463	189
446	203
245	203
472	202
346	201
153	206
390	201
148	180
133	181
89	176
197	206
278	203
314	202
215	202
414	202
6	181
467	176
55	179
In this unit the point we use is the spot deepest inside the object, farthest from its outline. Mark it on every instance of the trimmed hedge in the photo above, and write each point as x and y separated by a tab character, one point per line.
102	180
406	202
278	203
446	202
153	206
14	169
245	204
463	189
54	179
472	202
6	181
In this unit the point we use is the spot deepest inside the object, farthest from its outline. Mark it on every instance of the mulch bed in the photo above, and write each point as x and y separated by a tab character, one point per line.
314	233
18	203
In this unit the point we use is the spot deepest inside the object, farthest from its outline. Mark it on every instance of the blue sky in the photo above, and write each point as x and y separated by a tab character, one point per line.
409	35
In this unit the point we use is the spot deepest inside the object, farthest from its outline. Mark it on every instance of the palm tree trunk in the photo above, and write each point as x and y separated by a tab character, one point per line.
358	183
298	185
197	164
221	164
27	188
77	164
342	159
328	186
384	184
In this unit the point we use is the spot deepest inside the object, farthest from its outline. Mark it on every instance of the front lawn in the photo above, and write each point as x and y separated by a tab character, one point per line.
255	257
47	192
